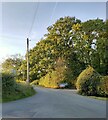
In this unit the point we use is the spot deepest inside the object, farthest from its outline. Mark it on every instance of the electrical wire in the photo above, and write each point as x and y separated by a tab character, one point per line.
53	11
29	33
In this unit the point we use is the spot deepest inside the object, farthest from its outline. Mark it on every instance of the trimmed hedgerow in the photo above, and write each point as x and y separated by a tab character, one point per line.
102	88
87	82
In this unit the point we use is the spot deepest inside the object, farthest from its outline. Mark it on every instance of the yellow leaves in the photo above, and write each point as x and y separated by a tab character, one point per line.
76	27
49	80
85	37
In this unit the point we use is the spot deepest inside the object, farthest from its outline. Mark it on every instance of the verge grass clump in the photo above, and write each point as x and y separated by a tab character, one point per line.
12	90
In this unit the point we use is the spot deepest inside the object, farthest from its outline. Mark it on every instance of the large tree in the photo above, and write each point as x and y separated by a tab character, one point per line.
79	43
57	43
90	43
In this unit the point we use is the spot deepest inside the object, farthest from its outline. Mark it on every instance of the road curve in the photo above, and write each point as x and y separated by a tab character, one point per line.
55	103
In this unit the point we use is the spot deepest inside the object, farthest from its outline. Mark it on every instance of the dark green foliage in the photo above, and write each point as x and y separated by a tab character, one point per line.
12	90
96	45
102	88
7	82
74	68
12	65
88	81
24	89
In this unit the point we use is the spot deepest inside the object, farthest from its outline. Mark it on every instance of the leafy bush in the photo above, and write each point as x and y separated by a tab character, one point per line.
50	80
56	76
102	88
87	82
24	89
35	82
8	83
11	90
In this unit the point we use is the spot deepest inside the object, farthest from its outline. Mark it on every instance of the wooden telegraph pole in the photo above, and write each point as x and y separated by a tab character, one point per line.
27	61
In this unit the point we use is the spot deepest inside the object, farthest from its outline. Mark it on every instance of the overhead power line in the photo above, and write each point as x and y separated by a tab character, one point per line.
53	11
33	19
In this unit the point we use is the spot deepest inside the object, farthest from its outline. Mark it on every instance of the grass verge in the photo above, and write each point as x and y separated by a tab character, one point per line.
98	98
20	90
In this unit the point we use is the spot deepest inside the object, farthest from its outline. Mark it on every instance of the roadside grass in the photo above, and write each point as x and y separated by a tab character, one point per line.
20	90
0	98
94	97
99	98
0	93
14	97
13	89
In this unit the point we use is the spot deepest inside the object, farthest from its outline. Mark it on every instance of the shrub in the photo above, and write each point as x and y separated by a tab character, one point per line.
50	80
102	88
88	81
11	90
8	83
24	89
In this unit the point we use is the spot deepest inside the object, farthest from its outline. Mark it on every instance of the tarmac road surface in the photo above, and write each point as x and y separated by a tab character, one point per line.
55	103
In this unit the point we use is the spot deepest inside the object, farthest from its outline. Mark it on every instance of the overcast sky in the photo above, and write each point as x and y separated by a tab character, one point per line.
17	20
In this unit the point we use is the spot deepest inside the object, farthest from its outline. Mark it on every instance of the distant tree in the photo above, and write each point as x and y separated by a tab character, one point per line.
12	64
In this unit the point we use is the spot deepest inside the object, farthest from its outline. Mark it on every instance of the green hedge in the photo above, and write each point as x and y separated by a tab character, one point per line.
102	88
8	84
11	90
87	82
51	80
